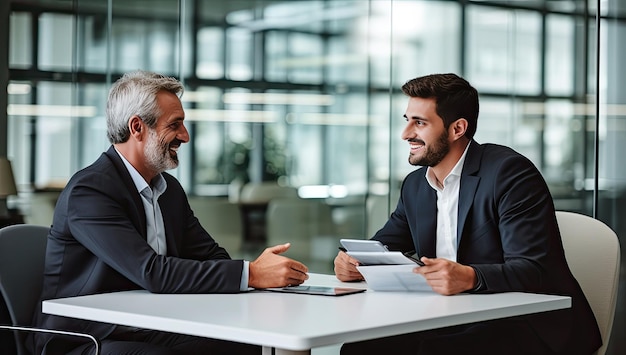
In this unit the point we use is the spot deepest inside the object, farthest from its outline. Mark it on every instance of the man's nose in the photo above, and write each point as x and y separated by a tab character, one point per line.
407	132
184	135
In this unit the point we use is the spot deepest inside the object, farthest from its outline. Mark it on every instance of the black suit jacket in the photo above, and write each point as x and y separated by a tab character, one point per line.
97	244
507	231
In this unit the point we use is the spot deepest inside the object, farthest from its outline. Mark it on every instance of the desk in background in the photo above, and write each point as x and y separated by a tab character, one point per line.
294	324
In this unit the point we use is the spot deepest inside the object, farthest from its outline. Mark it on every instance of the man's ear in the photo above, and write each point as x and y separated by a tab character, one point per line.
458	128
135	125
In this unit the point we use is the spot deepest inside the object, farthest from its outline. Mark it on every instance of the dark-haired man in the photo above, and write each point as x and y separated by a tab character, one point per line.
482	219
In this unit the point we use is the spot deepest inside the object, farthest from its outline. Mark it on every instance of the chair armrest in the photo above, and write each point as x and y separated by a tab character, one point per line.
52	331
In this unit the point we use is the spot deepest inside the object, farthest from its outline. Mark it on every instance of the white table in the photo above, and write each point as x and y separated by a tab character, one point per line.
293	324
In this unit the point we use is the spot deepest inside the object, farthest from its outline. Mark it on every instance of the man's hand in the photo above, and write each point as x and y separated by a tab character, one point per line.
447	277
273	270
345	268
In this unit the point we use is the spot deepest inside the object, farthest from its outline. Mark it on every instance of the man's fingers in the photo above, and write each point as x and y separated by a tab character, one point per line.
427	261
299	267
299	276
347	274
280	248
347	259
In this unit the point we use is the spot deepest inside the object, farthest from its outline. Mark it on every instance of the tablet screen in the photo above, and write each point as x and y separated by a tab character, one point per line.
317	290
363	245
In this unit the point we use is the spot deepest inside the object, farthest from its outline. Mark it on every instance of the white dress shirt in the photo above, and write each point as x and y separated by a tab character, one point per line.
447	209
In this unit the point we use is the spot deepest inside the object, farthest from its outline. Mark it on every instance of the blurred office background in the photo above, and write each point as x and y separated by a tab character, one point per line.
295	111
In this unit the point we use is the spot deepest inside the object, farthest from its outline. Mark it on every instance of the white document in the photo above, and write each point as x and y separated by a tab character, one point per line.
381	258
394	278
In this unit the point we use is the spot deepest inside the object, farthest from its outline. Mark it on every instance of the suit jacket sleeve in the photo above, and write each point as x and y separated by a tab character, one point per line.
104	216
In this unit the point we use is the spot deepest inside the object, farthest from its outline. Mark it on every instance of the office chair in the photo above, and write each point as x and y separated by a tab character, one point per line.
300	222
222	220
22	254
584	239
377	207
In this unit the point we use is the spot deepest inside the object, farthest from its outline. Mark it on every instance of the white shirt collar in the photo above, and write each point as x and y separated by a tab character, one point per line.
456	171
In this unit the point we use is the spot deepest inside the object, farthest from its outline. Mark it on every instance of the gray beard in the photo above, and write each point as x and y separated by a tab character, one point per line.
157	154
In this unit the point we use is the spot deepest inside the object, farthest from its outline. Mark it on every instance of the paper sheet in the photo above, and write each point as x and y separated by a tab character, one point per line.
394	278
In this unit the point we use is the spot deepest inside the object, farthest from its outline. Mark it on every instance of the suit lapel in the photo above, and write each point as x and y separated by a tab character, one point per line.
427	226
171	220
469	184
130	186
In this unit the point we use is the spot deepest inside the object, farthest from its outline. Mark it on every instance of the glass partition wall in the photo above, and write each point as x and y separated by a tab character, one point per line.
306	95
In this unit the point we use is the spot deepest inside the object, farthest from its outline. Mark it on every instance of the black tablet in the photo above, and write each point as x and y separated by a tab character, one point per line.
363	245
317	290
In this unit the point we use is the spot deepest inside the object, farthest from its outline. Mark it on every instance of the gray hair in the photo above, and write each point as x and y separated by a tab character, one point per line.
134	94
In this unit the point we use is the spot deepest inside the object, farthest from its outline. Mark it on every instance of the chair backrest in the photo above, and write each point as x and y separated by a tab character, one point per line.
377	207
222	219
22	254
298	221
41	207
586	239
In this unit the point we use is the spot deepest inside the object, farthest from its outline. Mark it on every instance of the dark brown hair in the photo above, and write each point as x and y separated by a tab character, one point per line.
454	97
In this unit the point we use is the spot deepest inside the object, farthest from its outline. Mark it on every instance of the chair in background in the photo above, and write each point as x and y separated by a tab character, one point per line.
305	223
222	219
585	239
40	208
377	207
22	255
253	201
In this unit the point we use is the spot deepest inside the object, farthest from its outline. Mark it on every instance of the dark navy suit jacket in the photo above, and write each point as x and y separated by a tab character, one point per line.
97	244
507	231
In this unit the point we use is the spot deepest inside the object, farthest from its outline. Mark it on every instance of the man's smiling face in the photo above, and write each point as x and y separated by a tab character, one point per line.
425	132
161	149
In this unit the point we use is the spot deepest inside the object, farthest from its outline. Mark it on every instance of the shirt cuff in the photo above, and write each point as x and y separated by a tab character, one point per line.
245	272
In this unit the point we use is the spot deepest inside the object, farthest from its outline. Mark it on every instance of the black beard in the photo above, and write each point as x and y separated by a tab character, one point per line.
434	153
